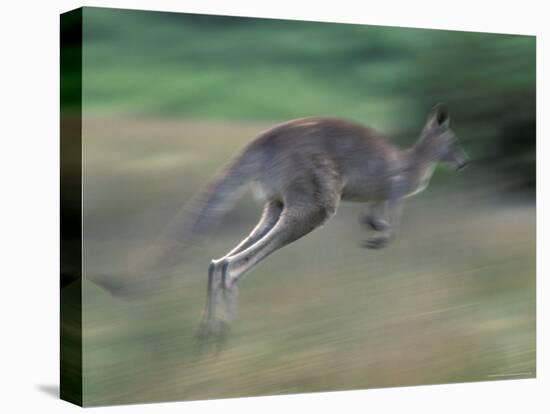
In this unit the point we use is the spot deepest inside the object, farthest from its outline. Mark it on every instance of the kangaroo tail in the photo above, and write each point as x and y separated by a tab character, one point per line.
208	207
192	221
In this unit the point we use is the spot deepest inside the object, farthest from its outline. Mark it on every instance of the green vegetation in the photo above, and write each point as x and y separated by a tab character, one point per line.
207	67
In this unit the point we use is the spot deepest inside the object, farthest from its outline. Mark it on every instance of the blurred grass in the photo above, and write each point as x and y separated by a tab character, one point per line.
453	299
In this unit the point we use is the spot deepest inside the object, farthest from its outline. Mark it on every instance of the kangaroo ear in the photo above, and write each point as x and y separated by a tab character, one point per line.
439	116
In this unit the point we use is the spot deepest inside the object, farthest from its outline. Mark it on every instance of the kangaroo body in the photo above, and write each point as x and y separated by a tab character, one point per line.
353	161
301	170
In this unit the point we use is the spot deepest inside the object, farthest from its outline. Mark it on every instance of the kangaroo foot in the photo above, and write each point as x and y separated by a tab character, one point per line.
221	303
376	242
374	223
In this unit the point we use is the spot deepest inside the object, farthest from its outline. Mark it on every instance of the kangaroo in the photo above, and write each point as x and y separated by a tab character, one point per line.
301	170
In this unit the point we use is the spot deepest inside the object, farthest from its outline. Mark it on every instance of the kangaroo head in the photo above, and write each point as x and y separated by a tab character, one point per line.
438	142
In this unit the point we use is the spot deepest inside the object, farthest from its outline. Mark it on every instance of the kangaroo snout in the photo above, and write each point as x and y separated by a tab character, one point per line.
462	161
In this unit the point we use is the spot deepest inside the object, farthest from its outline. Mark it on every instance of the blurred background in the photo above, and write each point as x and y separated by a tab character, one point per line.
170	98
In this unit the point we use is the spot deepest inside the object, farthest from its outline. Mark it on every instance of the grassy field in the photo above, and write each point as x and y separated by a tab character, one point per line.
452	300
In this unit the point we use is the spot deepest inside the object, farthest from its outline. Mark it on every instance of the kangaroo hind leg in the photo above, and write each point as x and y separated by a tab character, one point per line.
309	203
221	300
295	222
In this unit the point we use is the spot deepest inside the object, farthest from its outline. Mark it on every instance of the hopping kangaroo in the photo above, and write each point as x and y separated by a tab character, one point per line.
302	169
